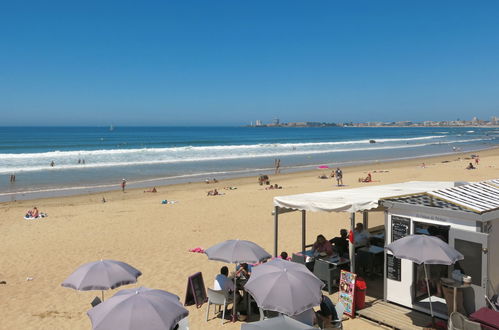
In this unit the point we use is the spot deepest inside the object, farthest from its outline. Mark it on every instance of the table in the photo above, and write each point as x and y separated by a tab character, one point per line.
451	283
487	317
370	257
334	260
373	249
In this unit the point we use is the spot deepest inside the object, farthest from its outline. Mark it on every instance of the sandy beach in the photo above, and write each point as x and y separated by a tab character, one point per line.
135	227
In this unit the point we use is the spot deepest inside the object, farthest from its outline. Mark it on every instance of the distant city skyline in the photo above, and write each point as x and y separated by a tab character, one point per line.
181	63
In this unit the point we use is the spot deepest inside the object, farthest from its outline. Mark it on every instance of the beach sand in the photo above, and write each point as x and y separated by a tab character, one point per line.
136	228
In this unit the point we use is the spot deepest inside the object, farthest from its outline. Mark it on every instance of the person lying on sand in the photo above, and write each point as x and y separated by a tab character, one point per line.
153	190
275	186
214	192
470	167
323	176
34	213
368	178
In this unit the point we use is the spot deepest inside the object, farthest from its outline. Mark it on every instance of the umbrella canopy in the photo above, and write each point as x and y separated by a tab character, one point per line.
322	167
276	323
420	249
138	309
102	275
237	251
284	286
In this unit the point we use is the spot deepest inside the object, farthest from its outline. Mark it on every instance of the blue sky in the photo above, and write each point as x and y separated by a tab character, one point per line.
232	62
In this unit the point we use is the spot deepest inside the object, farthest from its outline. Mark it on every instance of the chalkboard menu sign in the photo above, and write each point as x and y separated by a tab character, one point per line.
393	267
196	292
400	227
347	291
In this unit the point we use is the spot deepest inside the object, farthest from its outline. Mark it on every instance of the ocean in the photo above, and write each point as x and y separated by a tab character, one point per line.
89	159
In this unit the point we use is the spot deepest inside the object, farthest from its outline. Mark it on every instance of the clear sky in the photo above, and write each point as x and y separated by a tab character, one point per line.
231	62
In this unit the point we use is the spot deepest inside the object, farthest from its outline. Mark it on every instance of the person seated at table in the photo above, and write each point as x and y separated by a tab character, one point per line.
322	247
326	313
243	271
224	283
284	256
360	235
340	244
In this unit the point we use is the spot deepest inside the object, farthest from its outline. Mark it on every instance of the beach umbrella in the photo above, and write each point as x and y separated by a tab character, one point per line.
285	287
323	167
424	249
282	322
101	275
234	252
237	251
138	309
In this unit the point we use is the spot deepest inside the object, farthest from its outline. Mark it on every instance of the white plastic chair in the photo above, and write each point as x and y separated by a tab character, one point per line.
458	321
217	298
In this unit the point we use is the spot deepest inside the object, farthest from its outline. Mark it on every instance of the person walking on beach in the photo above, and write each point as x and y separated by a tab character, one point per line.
123	185
277	164
339	176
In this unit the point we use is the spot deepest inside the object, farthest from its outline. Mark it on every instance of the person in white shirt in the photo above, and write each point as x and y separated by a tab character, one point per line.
222	281
360	235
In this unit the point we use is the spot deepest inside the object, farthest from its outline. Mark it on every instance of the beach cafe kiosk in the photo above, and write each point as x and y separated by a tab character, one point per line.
467	216
345	200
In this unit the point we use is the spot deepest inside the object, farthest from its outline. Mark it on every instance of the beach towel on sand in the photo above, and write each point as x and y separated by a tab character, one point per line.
42	215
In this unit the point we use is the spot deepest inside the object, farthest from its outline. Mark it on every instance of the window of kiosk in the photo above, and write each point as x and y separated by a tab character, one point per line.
435	272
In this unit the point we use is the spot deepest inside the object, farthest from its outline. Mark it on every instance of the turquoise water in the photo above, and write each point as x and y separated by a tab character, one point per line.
148	156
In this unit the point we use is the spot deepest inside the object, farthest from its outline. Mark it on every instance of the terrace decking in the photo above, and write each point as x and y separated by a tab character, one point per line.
394	316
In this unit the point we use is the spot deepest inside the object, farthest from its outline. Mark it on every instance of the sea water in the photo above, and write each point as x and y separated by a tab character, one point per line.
98	158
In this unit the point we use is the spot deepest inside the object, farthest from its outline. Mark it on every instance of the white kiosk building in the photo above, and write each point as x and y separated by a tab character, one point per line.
467	218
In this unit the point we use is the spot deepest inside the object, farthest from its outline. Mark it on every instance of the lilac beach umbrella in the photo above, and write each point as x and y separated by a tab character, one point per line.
285	287
423	249
138	309
102	275
237	251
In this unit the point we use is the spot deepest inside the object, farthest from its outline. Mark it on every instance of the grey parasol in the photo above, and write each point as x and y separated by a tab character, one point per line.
102	275
423	249
285	287
281	322
237	251
138	309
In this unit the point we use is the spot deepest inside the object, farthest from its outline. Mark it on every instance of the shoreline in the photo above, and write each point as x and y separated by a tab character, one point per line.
222	177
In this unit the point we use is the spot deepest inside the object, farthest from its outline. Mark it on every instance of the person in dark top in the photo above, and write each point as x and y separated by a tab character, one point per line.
340	244
327	312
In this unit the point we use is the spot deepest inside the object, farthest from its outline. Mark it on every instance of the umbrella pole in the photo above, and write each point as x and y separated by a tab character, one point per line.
429	293
234	301
102	291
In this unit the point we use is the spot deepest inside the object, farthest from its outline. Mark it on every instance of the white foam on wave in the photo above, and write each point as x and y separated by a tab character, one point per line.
169	157
78	154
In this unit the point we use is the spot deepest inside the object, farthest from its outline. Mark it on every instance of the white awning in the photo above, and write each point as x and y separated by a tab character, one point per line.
358	199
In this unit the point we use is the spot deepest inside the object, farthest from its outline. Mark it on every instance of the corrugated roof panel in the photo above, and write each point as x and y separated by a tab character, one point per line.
479	197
